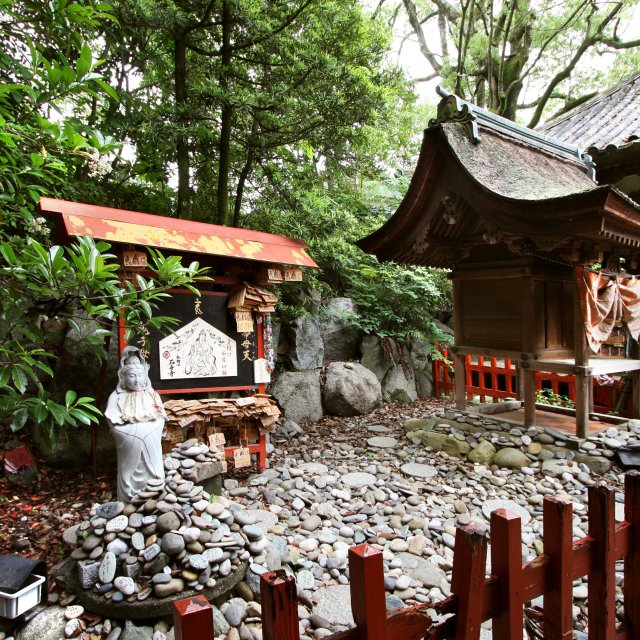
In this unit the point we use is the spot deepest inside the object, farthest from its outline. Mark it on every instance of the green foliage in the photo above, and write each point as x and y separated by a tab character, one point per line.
45	292
49	81
548	396
521	58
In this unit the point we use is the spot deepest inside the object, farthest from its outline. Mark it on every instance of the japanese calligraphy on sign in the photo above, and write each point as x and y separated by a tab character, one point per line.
197	350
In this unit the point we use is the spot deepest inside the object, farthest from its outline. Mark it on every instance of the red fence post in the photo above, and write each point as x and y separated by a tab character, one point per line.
602	577
467	581
193	619
506	565
558	545
279	601
632	560
366	576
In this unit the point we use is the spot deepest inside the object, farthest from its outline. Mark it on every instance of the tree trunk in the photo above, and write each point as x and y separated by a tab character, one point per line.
182	141
225	119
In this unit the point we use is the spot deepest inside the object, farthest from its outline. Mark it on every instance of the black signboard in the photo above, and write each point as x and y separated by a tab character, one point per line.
204	351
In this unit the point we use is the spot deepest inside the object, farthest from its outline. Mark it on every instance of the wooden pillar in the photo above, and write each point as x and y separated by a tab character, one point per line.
366	573
583	375
193	619
279	600
583	396
461	394
632	560
528	377
635	394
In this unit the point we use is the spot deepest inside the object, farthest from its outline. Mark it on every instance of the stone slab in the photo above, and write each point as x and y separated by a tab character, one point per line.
490	506
418	470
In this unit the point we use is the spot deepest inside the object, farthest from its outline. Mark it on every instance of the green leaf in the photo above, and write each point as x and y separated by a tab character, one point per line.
83	66
19	379
70	397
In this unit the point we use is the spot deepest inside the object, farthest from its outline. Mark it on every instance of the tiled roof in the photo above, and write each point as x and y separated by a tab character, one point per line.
608	120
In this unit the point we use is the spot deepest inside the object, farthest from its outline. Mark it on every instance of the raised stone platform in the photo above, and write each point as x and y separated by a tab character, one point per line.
152	607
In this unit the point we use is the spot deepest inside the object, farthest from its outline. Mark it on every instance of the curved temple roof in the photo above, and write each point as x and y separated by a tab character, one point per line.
496	188
131	227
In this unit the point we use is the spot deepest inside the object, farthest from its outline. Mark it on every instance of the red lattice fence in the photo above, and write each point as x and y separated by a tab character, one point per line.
492	379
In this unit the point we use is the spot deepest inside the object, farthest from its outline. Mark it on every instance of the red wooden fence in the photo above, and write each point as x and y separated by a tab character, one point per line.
502	597
490	378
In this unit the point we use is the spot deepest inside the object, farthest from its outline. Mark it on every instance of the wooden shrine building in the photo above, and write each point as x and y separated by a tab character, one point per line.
519	219
223	340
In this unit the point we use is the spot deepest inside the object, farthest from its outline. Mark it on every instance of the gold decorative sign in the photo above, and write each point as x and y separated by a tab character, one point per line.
241	457
134	259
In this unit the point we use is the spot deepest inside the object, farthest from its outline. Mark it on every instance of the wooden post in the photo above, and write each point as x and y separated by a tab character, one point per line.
602	577
632	560
366	574
529	395
583	404
506	565
467	581
461	396
635	394
279	600
581	357
558	545
193	619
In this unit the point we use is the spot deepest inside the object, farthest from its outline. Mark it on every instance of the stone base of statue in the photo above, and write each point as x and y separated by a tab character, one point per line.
151	607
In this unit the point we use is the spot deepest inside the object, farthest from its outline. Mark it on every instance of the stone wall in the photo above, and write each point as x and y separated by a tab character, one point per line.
325	366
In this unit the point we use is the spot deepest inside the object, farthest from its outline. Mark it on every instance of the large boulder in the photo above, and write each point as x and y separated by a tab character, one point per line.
306	350
399	385
421	362
72	447
340	339
298	394
351	389
375	355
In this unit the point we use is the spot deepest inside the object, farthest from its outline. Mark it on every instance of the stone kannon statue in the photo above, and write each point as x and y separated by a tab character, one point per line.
136	418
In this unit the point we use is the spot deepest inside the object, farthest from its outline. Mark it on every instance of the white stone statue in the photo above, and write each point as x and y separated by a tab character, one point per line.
136	418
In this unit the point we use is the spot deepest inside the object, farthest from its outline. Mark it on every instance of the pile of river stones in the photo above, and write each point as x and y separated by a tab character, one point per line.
174	536
344	482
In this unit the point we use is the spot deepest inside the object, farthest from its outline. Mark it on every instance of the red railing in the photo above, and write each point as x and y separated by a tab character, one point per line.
494	379
503	597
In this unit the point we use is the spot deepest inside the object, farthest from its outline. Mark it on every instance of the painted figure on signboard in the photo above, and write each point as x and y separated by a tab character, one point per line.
197	350
201	360
136	418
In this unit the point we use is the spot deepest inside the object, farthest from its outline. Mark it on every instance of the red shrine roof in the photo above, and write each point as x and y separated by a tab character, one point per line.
131	227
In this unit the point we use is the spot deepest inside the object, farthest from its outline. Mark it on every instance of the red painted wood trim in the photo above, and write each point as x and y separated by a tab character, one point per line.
558	598
279	601
366	576
631	586
468	580
602	577
169	391
506	565
193	619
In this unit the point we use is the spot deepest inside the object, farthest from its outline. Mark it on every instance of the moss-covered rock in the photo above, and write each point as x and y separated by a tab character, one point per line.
484	453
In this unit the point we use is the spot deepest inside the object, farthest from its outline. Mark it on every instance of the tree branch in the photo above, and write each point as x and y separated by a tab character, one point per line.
587	43
412	13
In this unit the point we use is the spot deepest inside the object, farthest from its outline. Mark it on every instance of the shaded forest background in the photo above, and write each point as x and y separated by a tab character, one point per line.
290	117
